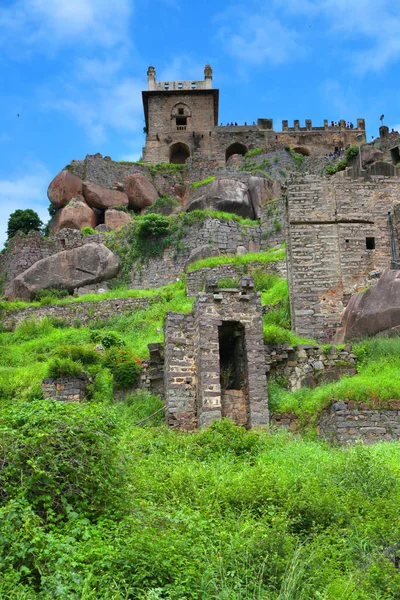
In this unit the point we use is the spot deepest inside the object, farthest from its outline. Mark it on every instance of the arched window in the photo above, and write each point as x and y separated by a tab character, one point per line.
180	114
302	150
179	153
236	148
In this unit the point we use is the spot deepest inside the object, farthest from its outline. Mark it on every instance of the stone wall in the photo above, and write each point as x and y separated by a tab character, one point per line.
195	280
152	375
193	391
332	226
309	366
224	235
347	422
66	389
79	312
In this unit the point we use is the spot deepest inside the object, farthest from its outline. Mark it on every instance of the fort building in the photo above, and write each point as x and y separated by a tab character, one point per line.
182	122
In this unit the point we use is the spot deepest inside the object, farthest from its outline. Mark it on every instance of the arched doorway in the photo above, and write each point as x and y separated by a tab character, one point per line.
179	153
302	150
236	148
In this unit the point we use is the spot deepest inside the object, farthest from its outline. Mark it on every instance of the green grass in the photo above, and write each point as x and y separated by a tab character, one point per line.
272	255
197	184
254	152
377	379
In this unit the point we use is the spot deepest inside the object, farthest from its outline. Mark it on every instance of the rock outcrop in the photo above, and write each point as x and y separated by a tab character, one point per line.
75	215
228	195
370	154
375	311
140	191
100	197
63	188
116	218
201	252
261	190
68	270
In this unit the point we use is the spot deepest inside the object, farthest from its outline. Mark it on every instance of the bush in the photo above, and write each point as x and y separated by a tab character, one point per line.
107	339
197	184
264	281
81	354
120	209
163	202
351	152
64	367
153	226
23	220
88	231
228	282
254	152
124	366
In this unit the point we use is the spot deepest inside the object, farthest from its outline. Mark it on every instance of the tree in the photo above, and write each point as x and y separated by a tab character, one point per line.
23	220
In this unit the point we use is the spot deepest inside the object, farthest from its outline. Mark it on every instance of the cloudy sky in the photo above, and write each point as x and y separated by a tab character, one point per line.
73	71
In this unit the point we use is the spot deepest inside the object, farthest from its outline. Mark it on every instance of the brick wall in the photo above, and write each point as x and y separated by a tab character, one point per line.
66	389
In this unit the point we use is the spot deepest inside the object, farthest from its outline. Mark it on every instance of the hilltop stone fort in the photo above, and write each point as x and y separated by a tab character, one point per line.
182	122
338	214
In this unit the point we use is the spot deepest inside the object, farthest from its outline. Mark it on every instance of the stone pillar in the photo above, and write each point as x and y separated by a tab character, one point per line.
285	125
297	124
151	79
326	124
383	131
361	124
208	73
308	124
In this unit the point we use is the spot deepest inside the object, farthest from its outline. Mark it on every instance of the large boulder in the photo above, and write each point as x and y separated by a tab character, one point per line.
116	218
101	197
140	191
88	264
202	252
75	215
227	195
370	154
63	188
261	190
375	311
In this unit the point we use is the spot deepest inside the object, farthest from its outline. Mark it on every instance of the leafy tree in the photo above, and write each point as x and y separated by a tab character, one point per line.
23	220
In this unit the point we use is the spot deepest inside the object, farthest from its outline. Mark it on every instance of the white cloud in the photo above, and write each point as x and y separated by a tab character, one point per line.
46	23
182	67
255	35
24	190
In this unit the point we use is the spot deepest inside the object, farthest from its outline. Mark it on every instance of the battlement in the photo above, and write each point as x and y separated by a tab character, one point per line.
340	126
176	86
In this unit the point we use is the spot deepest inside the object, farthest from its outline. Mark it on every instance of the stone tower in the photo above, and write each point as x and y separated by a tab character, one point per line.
180	117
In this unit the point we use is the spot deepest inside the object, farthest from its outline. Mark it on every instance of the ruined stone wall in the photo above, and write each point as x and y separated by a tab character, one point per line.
224	235
66	389
180	371
152	374
195	280
347	422
82	312
308	366
329	224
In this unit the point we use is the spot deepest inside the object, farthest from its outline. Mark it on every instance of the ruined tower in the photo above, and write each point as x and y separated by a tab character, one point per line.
180	117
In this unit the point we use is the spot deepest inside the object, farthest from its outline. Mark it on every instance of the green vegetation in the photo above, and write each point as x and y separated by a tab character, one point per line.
163	202
64	367
298	159
351	152
254	152
166	168
252	166
271	255
23	220
197	184
120	208
88	231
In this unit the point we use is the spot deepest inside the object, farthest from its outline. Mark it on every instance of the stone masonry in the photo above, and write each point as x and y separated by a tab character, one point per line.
66	389
337	234
214	360
346	422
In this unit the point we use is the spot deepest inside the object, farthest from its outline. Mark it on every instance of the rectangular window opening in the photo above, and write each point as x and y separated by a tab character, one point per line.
180	86
181	121
370	243
193	86
181	111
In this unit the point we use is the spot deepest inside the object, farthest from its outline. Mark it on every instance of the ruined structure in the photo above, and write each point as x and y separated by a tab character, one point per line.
214	360
182	122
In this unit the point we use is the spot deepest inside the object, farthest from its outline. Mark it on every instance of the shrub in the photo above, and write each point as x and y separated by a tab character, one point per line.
264	281
82	354
64	367
107	339
120	209
351	152
153	225
88	231
124	366
163	202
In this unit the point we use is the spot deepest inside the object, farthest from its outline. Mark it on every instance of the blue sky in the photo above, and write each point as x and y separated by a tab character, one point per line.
74	70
